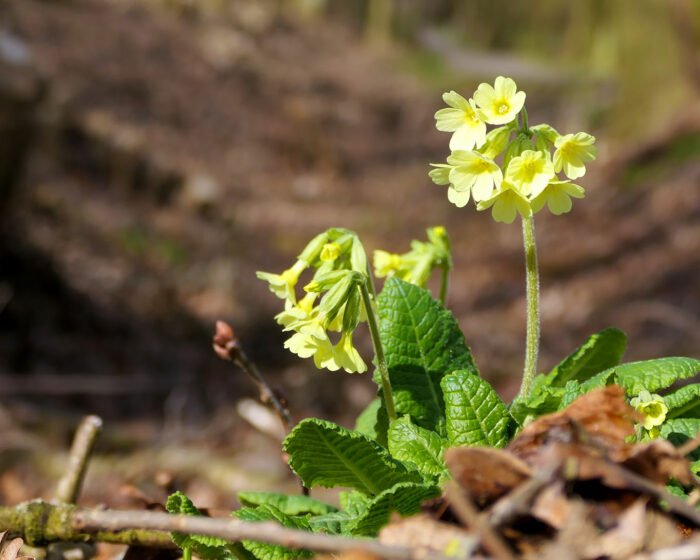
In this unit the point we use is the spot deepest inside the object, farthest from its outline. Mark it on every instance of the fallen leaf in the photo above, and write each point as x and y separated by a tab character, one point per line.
658	461
429	537
486	473
600	419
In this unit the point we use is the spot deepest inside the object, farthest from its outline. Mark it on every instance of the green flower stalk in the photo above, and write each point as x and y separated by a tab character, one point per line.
523	182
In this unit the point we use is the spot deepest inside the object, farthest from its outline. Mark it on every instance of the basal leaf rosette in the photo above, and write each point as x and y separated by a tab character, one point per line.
514	166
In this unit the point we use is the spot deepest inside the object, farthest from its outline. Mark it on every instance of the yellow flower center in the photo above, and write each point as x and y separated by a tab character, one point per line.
470	116
502	107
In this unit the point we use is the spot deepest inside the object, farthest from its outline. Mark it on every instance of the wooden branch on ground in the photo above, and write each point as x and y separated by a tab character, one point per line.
41	523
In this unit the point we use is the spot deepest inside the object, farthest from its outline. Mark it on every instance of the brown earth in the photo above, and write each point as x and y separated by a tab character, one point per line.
175	153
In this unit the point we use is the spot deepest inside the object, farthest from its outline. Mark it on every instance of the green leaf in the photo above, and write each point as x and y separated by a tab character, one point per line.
684	402
549	392
601	351
265	551
354	505
289	505
367	420
207	548
680	430
423	448
649	375
422	343
476	414
325	454
404	498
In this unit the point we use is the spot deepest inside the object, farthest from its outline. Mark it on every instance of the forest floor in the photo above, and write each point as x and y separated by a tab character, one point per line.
174	154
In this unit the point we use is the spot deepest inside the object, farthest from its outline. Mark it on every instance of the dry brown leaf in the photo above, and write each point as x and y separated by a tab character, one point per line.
638	530
600	419
486	473
10	549
552	506
658	461
349	555
429	537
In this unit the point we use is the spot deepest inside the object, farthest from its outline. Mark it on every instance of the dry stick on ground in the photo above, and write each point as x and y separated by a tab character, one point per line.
519	501
69	486
467	513
234	530
228	347
690	445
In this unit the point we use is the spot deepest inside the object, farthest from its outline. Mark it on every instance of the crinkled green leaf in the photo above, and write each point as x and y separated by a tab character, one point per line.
684	402
650	375
543	399
602	350
422	343
404	498
290	505
476	414
424	448
325	454
206	547
265	551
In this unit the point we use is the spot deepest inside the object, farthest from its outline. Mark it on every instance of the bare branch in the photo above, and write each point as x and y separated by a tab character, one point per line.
462	506
233	530
69	486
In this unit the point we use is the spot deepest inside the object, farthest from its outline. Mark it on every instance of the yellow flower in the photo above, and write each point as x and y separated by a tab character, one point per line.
557	196
441	174
282	285
462	119
572	152
296	313
500	103
308	345
531	172
507	203
653	407
475	173
496	142
330	252
386	264
346	356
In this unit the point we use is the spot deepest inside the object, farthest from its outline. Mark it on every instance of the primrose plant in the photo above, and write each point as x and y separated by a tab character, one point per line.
430	395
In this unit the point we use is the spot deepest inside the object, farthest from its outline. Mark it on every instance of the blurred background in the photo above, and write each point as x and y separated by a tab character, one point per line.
154	154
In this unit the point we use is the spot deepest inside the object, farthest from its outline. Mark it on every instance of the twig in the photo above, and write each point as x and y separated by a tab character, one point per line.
519	501
690	445
41	523
467	513
641	484
687	551
234	530
69	486
228	347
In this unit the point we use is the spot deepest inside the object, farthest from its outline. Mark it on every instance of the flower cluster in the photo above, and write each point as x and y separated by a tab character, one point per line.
526	179
331	302
416	265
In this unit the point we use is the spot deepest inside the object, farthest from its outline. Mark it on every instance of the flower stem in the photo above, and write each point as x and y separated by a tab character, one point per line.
378	352
444	284
532	343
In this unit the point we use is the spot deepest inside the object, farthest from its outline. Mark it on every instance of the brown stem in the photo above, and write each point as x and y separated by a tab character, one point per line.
228	347
462	506
233	530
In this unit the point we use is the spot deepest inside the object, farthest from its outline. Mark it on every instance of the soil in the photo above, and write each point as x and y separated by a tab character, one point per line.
173	152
